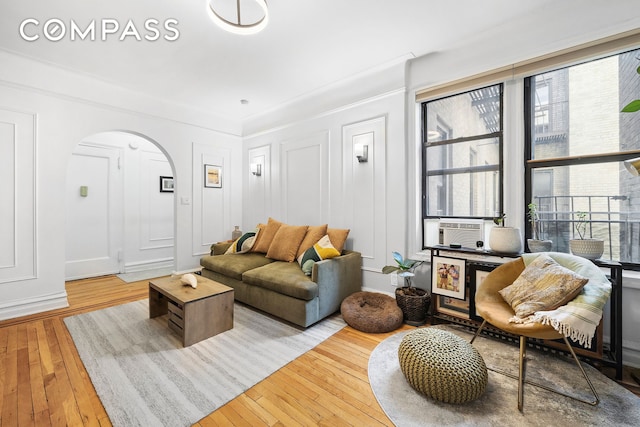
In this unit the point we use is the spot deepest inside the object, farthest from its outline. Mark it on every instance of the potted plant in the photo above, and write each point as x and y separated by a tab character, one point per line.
414	302
535	244
504	239
589	248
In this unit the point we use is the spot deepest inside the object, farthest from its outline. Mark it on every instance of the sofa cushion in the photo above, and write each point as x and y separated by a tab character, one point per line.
314	233
284	278
233	265
220	248
323	249
266	235
338	236
244	243
286	242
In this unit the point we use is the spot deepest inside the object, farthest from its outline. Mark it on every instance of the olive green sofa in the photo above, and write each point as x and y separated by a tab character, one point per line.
281	288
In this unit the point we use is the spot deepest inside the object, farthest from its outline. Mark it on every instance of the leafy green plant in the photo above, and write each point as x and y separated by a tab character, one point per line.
405	266
634	105
500	220
402	264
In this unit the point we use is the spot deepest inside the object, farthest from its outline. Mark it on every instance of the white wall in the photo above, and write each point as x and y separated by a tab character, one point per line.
94	212
53	111
148	214
310	174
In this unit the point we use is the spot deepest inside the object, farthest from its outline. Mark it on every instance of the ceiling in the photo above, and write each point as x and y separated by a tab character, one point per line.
308	44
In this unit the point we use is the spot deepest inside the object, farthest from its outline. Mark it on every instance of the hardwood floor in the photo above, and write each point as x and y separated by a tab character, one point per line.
43	381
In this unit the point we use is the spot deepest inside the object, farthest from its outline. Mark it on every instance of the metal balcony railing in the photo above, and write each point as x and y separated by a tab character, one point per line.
607	217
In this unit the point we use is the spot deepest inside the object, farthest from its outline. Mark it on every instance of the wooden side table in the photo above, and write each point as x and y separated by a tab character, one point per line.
194	314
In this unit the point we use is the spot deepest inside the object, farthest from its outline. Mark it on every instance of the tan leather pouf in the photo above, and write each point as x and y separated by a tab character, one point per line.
442	365
371	312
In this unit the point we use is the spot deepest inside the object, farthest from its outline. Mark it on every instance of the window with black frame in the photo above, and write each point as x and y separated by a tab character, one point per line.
462	154
579	152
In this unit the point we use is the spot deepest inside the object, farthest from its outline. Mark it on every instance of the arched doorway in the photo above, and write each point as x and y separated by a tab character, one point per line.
119	207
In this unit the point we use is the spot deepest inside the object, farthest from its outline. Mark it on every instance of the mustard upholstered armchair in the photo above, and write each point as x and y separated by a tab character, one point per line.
493	308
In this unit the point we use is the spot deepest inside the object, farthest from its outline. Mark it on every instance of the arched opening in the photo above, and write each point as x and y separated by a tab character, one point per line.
120	207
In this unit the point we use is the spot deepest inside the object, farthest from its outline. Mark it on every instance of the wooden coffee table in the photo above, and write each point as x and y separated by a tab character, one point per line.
194	314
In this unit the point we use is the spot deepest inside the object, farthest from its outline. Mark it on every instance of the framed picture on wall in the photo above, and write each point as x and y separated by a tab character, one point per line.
448	277
166	184
213	176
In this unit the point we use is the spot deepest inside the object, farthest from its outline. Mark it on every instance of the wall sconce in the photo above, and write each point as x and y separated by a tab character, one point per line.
633	166
362	153
256	169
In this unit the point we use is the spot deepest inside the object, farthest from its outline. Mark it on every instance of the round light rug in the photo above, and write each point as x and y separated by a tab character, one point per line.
498	406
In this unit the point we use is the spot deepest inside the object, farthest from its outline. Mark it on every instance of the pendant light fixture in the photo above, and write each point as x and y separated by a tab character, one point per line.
633	166
237	26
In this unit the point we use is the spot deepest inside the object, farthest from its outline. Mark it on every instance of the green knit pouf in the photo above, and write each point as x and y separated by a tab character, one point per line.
442	365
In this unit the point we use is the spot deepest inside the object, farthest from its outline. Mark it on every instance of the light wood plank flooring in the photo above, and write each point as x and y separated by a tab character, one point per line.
43	381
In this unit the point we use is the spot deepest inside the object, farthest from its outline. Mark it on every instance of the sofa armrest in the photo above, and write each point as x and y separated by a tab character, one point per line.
220	248
337	278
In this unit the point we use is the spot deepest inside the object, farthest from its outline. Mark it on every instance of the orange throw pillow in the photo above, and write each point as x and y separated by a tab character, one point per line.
286	242
338	236
314	233
266	235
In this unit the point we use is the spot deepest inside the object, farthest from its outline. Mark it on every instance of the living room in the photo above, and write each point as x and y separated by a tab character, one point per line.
305	145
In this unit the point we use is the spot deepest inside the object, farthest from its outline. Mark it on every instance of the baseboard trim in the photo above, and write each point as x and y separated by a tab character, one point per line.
29	306
148	265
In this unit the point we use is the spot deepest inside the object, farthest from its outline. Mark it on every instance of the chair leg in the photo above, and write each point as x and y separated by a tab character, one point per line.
521	371
478	332
584	374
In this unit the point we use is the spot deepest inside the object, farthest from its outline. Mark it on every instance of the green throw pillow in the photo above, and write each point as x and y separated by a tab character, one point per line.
321	250
243	244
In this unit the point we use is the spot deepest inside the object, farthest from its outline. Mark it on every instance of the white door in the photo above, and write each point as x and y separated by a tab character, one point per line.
94	213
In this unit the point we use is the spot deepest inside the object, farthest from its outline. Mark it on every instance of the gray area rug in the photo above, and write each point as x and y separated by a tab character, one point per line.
498	405
144	376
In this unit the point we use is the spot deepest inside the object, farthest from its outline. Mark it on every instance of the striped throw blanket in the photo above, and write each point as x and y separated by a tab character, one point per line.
578	319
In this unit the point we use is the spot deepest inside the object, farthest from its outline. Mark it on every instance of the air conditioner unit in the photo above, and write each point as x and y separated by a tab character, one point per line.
465	232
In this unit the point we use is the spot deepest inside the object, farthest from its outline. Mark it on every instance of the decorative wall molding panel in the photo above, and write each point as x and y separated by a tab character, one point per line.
304	178
258	188
18	255
211	205
156	207
364	188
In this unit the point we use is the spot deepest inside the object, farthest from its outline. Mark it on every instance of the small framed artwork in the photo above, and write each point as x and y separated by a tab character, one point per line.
449	277
213	176
166	184
477	273
453	307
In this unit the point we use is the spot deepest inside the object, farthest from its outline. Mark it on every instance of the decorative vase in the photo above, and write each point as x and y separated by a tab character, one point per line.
536	245
587	248
236	233
507	240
